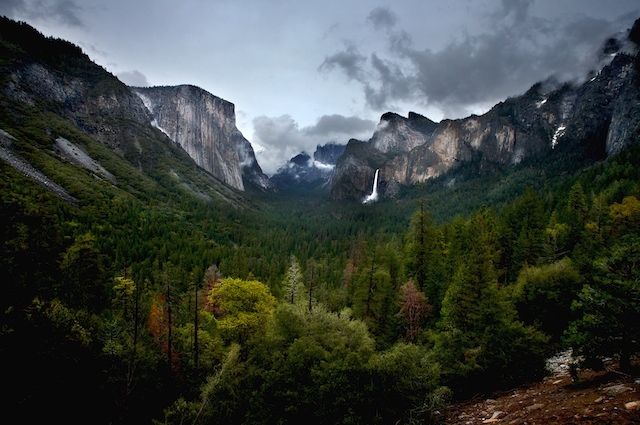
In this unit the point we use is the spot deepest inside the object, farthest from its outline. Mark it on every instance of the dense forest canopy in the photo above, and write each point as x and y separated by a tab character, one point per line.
140	302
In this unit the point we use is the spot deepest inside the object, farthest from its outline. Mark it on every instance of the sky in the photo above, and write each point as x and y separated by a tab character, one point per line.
304	73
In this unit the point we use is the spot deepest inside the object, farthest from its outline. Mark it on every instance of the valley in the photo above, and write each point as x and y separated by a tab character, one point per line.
152	273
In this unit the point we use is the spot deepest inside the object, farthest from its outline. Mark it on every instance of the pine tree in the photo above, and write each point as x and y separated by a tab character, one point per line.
419	245
522	234
479	339
576	213
293	283
609	303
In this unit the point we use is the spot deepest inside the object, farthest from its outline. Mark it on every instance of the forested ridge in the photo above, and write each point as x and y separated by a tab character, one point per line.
145	302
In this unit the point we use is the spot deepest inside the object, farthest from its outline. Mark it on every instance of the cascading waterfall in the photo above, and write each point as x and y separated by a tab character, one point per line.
374	193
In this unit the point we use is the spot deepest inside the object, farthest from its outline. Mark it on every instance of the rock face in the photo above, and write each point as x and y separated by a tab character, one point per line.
303	171
205	127
57	75
597	118
398	134
356	169
94	100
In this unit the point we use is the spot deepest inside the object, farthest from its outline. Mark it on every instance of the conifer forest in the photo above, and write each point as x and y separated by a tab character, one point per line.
141	302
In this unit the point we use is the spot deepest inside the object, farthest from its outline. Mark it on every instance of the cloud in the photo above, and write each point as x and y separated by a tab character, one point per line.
133	78
517	10
382	18
277	139
393	84
336	125
349	60
63	12
10	8
514	51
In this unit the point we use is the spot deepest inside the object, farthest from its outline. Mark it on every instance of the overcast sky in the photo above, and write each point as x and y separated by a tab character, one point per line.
302	73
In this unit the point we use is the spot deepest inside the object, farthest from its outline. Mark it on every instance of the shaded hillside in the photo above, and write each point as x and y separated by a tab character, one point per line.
52	89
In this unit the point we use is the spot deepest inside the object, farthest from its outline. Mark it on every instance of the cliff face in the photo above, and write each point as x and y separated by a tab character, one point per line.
204	126
98	103
597	118
355	170
57	78
398	134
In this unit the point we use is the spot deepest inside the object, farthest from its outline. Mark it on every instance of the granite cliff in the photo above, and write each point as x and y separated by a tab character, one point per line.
591	120
205	127
142	125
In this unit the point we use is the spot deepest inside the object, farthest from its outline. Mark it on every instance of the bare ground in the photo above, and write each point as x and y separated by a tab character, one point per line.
606	397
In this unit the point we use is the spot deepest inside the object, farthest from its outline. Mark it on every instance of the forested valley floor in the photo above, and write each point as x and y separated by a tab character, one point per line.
179	310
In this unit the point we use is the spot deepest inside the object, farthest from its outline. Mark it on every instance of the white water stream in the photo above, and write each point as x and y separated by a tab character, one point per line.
374	193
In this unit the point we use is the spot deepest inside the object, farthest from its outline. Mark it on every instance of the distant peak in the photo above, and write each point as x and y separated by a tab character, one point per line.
388	116
634	34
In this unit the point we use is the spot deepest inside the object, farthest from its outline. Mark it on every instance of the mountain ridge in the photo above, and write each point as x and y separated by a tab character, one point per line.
596	119
56	77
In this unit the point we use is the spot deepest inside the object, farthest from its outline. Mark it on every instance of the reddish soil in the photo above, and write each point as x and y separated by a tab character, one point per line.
601	398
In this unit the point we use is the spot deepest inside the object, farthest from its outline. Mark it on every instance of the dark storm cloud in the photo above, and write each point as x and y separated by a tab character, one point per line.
278	139
392	84
64	12
516	51
10	8
349	60
382	18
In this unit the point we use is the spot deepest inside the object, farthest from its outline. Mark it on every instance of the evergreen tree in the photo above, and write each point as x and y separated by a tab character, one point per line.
479	339
84	274
609	304
576	213
543	296
420	242
555	239
522	234
293	283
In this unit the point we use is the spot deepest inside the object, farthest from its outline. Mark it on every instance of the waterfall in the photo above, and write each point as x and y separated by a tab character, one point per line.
374	193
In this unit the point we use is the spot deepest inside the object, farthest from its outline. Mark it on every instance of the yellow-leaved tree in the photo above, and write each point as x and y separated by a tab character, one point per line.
241	307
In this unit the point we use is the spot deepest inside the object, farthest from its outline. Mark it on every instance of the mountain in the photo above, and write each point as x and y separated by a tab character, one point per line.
587	121
303	172
205	127
59	105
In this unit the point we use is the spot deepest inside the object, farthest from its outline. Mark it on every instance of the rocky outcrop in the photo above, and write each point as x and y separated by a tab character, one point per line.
96	101
355	170
303	172
601	397
76	155
588	121
57	77
328	154
205	127
200	123
398	134
23	167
